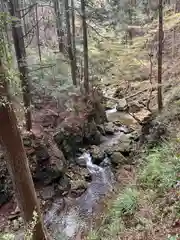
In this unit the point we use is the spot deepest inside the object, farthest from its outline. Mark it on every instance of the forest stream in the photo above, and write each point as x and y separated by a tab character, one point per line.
75	218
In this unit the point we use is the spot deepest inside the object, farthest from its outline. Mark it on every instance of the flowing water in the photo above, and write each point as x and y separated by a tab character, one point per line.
65	224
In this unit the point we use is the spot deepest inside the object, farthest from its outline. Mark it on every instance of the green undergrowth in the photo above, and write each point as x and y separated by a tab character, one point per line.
156	177
115	61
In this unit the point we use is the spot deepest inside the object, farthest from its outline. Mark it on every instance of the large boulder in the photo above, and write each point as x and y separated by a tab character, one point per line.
124	144
118	159
71	137
97	154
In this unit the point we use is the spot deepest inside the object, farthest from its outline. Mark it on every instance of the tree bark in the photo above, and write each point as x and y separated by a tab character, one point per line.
59	25
69	42
160	49
74	36
17	33
17	161
37	33
85	46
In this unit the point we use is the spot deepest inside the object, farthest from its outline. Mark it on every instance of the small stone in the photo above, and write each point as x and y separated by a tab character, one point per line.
134	107
125	129
15	224
109	128
78	184
121	105
81	161
48	193
97	154
101	129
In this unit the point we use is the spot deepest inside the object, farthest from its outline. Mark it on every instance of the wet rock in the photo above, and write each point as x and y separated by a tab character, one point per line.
121	105
118	159
135	135
110	104
95	138
63	186
48	193
81	160
71	138
134	107
68	140
91	134
119	93
109	128
125	129
41	153
101	129
124	145
78	184
97	154
15	225
117	123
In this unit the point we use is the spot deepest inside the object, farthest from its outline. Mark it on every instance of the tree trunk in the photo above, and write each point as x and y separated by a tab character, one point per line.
59	25
37	33
17	161
160	102
69	42
74	35
17	33
85	46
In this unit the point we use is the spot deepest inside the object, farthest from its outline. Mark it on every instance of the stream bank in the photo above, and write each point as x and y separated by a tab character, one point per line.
90	170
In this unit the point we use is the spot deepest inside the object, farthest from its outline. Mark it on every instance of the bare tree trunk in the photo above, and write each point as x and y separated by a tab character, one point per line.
17	161
85	45
70	52
74	35
17	33
23	6
59	25
160	102
37	34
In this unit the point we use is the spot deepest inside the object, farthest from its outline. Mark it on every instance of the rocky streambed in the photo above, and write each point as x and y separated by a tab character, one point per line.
67	216
71	199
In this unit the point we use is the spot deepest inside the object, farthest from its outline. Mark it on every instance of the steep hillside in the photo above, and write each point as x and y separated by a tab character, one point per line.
147	202
129	67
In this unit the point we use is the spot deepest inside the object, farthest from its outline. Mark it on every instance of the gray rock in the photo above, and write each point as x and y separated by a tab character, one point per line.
121	105
63	186
15	224
47	193
110	104
81	161
109	128
125	129
97	154
124	144
78	184
134	107
118	159
101	129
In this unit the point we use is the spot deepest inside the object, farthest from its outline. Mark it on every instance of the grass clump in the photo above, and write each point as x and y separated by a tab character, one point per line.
126	203
160	170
